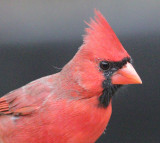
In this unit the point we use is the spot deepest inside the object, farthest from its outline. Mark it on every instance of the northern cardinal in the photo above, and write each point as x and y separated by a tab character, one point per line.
74	105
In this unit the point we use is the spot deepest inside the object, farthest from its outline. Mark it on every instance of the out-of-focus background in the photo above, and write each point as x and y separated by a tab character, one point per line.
36	36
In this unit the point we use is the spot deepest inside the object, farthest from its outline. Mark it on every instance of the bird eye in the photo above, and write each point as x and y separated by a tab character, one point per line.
104	65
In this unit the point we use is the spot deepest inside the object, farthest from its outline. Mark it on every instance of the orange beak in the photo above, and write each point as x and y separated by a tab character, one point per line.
126	75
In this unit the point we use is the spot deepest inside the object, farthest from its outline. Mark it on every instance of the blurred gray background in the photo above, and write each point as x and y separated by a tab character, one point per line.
37	35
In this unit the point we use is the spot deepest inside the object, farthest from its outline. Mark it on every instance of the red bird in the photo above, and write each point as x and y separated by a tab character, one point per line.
74	105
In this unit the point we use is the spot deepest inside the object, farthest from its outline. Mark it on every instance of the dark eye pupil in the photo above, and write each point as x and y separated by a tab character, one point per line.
104	65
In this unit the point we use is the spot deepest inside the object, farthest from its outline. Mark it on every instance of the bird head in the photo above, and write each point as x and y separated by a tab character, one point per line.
102	65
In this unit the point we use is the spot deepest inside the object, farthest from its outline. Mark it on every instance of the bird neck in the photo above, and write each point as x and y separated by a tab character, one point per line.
71	80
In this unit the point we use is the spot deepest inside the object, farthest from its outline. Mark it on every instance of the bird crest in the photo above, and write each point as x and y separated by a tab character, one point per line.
100	38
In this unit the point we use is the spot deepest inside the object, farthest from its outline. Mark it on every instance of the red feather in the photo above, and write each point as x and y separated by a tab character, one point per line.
102	41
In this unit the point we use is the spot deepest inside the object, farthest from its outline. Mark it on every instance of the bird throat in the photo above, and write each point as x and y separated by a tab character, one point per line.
109	90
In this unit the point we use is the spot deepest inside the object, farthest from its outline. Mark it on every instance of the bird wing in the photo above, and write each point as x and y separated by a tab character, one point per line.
27	99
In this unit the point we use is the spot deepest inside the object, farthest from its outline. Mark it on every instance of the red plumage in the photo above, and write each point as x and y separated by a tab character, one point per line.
102	41
65	107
